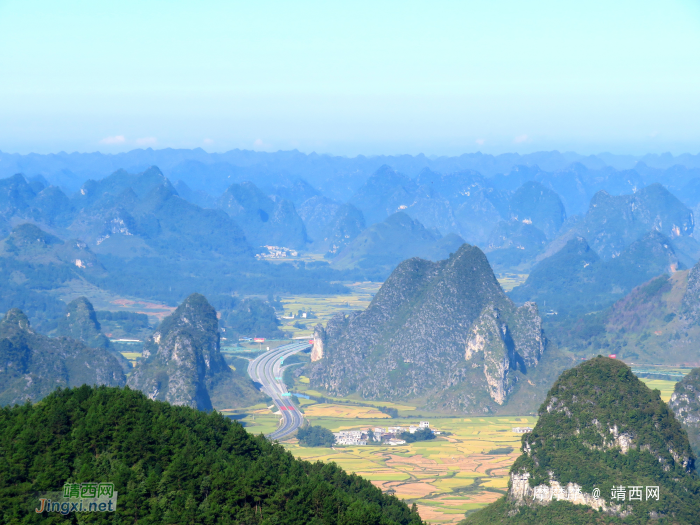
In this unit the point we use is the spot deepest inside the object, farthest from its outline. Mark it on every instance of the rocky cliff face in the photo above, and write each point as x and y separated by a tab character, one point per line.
442	331
32	365
182	362
685	403
317	349
601	427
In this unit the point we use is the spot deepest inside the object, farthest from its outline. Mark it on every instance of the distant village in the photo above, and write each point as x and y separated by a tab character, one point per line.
277	252
383	435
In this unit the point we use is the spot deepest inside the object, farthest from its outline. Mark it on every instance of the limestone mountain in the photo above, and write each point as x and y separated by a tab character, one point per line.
331	225
382	194
252	317
685	403
182	362
27	242
442	334
32	262
80	323
264	221
384	245
33	365
534	204
142	215
576	280
599	428
614	222
514	244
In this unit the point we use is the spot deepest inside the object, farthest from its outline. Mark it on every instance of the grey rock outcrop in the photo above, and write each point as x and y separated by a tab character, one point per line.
685	403
182	362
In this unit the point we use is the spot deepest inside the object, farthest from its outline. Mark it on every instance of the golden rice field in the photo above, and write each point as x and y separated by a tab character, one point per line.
666	387
457	472
326	306
445	477
508	281
342	411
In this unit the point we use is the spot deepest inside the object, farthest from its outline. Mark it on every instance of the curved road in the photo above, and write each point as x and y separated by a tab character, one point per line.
267	370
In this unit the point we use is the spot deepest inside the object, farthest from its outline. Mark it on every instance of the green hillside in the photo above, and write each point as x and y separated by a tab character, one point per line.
599	428
171	464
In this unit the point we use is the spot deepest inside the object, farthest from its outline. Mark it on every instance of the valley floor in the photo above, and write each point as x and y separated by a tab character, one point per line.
464	470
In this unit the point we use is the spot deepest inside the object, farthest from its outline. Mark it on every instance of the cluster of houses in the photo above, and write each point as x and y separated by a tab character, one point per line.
383	435
277	252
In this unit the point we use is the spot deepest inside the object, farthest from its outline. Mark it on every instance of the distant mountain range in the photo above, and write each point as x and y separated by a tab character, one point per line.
583	230
336	177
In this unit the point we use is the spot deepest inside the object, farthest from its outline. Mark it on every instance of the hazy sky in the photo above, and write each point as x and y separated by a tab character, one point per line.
351	77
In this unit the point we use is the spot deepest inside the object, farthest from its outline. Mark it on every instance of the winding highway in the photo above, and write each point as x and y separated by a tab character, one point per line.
267	370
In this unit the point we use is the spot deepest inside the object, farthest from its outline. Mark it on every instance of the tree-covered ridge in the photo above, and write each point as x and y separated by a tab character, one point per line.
581	408
601	427
172	464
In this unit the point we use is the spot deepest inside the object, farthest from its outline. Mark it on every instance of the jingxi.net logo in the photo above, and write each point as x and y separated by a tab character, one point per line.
80	497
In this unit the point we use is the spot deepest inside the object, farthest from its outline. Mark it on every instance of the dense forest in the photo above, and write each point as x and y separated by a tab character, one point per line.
171	464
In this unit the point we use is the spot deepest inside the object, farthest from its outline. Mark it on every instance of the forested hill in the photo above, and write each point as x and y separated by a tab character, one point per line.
600	428
171	464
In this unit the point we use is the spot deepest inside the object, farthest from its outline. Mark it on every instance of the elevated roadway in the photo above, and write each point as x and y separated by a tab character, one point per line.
267	370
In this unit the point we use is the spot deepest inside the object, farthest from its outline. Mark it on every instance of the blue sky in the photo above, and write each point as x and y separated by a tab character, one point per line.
351	77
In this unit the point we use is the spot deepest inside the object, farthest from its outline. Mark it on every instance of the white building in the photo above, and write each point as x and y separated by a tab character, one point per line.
522	430
349	437
424	424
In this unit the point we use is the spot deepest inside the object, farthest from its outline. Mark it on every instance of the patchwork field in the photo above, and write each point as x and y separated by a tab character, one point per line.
342	411
463	470
508	281
325	306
